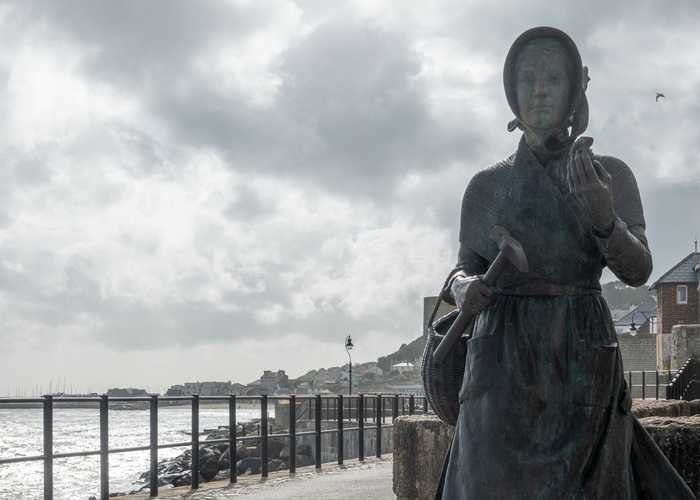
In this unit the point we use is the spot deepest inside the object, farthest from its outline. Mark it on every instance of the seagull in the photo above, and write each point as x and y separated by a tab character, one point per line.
658	95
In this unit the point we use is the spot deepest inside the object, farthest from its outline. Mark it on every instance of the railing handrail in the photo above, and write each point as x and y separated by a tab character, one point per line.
680	383
336	413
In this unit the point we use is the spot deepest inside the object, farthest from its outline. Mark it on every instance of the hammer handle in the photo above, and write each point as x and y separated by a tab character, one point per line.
464	318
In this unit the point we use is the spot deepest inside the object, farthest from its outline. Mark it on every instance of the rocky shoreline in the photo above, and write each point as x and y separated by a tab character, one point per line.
214	459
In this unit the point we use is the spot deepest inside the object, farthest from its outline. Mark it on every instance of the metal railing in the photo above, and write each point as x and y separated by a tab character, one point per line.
648	384
368	408
684	378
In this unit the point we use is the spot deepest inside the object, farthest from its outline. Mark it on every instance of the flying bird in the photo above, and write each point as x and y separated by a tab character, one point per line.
658	95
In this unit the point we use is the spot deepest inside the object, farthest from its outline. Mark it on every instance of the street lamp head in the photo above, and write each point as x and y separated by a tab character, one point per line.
348	343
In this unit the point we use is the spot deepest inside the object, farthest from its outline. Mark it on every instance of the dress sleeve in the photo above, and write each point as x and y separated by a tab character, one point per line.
469	261
625	247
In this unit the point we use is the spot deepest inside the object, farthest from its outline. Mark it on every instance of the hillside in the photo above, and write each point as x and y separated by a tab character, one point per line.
620	296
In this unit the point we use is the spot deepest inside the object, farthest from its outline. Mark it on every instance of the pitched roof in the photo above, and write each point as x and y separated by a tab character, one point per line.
683	272
639	315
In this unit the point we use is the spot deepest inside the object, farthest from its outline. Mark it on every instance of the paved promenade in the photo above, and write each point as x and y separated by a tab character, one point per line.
353	481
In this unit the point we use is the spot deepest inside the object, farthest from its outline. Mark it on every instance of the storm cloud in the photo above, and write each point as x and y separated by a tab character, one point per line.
248	179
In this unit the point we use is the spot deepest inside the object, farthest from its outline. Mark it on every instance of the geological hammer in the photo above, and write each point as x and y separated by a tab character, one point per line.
510	250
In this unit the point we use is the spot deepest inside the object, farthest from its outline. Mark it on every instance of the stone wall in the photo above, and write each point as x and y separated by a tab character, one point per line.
663	351
421	441
638	352
685	343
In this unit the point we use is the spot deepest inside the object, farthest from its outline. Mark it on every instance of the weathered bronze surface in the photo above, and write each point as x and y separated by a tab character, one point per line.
544	409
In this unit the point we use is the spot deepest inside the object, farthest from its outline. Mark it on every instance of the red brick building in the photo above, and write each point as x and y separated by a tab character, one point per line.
677	298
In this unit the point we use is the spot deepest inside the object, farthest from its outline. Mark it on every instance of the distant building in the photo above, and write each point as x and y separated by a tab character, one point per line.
404	367
677	294
641	319
127	393
206	389
678	299
270	382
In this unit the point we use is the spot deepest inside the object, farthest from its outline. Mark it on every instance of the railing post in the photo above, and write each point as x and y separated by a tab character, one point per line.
339	414
629	383
153	430
395	407
48	447
411	405
232	451
104	447
292	434
263	436
644	385
378	419
657	384
195	441
317	409
361	427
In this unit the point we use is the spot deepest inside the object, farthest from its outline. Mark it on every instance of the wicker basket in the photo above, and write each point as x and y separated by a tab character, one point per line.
442	382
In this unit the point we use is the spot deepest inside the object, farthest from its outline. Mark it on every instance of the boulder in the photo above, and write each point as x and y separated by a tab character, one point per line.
304	460
183	480
208	463
276	464
275	447
250	465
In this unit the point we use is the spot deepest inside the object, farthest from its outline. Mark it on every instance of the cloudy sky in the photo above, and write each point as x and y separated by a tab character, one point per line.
203	190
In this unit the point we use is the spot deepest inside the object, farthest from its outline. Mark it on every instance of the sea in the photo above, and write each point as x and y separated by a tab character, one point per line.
77	429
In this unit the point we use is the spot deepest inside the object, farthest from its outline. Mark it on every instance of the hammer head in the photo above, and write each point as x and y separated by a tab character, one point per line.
510	247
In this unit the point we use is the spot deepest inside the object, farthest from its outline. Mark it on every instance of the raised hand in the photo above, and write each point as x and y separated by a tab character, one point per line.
589	182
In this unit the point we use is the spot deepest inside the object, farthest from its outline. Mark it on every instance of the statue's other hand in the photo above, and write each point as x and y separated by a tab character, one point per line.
590	184
471	294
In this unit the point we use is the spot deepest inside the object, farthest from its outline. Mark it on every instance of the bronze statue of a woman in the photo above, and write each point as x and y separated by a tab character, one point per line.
544	408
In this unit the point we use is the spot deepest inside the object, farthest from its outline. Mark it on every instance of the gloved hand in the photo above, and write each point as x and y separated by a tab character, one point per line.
471	294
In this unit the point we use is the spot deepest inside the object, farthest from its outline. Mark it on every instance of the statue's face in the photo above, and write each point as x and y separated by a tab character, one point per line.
543	83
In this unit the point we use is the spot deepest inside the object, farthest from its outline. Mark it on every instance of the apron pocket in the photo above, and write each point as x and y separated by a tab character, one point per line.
481	367
597	376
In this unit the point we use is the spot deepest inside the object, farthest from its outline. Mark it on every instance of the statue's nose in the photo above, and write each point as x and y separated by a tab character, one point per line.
540	87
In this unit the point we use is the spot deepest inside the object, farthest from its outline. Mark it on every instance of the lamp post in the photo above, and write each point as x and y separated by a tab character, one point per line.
348	347
633	327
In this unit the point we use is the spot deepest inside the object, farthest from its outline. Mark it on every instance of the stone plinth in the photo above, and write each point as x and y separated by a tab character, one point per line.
420	442
679	439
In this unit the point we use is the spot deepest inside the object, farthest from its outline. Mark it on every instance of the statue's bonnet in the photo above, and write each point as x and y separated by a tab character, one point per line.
577	117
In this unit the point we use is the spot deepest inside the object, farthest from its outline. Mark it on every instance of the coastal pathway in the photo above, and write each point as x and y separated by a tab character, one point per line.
352	481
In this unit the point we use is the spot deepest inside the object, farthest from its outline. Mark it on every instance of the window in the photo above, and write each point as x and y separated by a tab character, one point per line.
682	294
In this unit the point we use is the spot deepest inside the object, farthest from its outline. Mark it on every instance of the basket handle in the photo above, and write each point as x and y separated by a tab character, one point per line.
431	332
